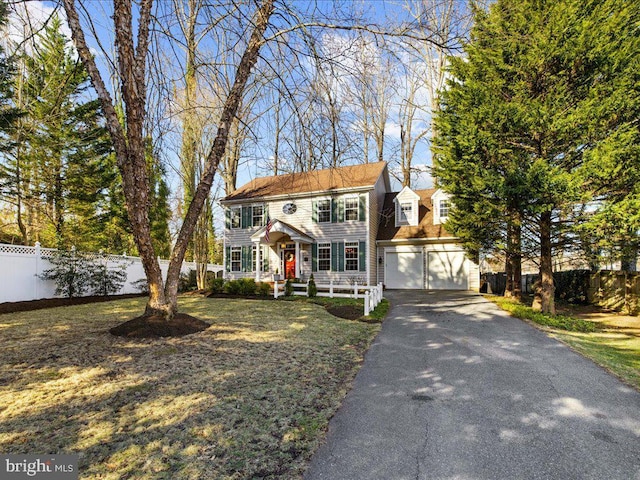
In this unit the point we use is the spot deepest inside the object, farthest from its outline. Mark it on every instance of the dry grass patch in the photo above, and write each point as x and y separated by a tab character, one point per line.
249	397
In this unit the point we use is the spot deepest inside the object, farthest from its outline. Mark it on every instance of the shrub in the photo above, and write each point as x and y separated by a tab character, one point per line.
288	288
216	285
106	281
264	289
572	286
312	289
187	281
75	273
70	272
248	286
232	287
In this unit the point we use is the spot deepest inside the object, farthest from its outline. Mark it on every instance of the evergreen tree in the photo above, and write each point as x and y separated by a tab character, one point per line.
519	123
58	161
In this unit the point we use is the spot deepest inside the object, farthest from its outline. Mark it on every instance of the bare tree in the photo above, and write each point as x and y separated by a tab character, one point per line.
132	49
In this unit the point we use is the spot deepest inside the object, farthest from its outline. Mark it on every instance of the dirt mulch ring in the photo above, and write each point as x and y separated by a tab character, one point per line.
11	307
155	326
350	312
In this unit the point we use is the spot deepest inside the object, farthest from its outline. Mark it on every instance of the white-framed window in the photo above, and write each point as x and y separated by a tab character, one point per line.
445	205
406	212
351	208
258	215
236	259
324	210
324	257
236	217
263	255
351	256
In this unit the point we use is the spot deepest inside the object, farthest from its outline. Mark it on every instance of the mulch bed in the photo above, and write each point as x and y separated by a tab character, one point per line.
154	326
11	307
350	312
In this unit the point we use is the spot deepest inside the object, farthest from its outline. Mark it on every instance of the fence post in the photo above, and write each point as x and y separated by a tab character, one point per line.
275	289
36	276
366	303
330	288
355	290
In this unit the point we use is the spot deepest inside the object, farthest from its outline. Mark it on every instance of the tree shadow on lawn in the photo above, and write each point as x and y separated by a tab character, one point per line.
228	402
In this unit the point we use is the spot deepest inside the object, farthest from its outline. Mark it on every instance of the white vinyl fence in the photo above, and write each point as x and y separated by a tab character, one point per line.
20	267
372	294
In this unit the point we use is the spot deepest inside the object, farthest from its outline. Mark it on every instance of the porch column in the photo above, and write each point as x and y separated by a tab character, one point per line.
258	260
297	259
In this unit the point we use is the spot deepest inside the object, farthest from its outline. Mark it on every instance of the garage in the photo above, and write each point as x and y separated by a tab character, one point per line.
404	270
446	270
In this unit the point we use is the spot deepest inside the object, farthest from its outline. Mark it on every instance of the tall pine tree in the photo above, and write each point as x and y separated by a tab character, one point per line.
518	123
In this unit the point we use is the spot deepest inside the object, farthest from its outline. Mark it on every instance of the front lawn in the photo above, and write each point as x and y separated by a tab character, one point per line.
248	398
609	339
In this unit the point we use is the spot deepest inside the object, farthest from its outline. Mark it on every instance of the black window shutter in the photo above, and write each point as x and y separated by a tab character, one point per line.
334	211
314	257
362	214
340	256
334	257
362	256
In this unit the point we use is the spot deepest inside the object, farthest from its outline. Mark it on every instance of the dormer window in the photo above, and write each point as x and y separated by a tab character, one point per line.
445	205
406	212
406	208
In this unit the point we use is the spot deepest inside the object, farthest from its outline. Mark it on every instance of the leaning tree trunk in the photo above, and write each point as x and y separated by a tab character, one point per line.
129	144
218	148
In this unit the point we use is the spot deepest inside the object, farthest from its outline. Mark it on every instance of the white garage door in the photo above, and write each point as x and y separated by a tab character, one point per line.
445	271
404	270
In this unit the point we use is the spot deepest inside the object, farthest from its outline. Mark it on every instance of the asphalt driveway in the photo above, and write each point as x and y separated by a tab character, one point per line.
454	388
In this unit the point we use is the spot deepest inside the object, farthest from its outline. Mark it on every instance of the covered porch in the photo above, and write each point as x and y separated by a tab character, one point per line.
287	244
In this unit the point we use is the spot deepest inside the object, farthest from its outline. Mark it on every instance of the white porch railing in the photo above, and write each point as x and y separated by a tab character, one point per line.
372	294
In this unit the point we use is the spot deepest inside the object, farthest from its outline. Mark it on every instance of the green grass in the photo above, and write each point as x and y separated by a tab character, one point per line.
250	397
525	312
603	340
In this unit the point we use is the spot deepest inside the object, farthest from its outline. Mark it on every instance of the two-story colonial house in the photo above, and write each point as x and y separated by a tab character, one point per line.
343	224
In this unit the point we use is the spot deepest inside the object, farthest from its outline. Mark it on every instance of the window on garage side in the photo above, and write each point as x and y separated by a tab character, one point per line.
236	259
350	256
324	256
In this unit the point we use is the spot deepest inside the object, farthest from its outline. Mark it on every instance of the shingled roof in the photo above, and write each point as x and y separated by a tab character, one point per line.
353	176
387	229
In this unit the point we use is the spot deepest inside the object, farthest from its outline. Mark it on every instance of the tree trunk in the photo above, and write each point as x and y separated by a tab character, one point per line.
513	265
218	148
129	144
546	289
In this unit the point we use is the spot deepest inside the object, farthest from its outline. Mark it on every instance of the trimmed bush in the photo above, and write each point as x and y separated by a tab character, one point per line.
248	286
232	287
312	289
216	285
264	289
288	288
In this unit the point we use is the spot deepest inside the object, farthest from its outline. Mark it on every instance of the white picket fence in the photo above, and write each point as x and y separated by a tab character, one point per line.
372	294
21	267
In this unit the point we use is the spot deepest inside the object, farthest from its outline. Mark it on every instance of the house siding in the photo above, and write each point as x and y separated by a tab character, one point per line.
303	220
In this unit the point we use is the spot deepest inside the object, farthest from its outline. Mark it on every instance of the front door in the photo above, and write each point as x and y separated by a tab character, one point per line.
289	264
